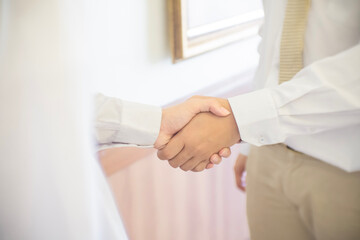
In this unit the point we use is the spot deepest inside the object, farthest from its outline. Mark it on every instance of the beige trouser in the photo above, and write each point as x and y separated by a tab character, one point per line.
293	196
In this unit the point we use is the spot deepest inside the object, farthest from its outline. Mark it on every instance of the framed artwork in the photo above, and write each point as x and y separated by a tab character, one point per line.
198	26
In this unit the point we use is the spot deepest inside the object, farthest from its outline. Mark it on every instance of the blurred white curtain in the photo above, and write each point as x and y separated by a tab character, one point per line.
158	202
51	185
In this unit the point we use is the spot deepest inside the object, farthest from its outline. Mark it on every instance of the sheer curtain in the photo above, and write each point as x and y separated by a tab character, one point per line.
158	202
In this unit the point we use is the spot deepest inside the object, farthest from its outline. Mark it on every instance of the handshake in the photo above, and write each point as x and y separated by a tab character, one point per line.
194	135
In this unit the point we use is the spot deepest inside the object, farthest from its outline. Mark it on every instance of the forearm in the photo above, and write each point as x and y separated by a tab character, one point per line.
321	97
118	121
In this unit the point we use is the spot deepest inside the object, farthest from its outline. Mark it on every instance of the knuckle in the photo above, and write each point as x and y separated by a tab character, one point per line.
199	168
184	168
160	155
173	164
195	169
163	155
226	152
215	158
186	156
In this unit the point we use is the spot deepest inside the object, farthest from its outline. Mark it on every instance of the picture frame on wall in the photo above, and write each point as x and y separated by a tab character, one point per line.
199	26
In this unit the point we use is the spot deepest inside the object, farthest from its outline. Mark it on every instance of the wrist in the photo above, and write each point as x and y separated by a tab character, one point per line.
236	133
236	138
160	139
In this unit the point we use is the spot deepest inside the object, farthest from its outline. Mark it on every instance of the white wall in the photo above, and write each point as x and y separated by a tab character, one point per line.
134	59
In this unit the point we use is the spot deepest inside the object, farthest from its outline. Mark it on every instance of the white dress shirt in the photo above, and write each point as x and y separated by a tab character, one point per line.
51	184
122	123
317	112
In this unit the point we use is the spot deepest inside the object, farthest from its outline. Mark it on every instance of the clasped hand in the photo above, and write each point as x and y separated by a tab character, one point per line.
195	135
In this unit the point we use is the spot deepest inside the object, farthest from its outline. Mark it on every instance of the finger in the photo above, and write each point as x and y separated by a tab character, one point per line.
239	170
210	105
217	109
191	164
181	158
239	180
172	149
239	176
215	158
225	152
162	140
209	165
242	187
200	167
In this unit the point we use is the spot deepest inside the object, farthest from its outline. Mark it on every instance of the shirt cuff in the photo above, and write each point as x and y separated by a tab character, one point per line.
257	118
141	123
128	123
120	145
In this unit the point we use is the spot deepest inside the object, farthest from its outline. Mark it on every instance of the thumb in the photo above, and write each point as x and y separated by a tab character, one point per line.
162	140
213	106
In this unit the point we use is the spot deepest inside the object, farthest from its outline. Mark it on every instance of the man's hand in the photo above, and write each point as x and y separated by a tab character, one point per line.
239	170
192	147
176	117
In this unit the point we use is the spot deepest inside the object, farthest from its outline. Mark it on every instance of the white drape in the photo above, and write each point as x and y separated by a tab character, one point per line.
158	202
51	185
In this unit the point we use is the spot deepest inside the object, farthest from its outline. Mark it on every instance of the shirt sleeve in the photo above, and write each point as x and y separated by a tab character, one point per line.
323	96
122	123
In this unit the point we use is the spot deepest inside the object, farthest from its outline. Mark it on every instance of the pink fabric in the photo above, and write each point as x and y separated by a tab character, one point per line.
158	202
